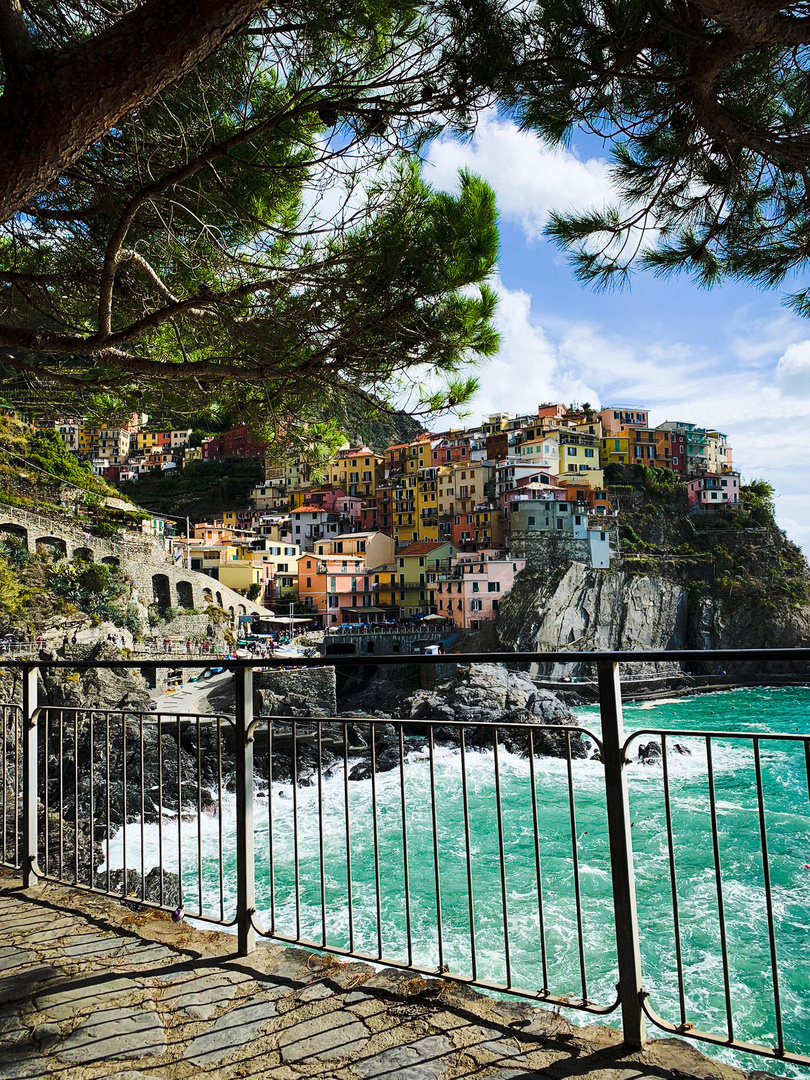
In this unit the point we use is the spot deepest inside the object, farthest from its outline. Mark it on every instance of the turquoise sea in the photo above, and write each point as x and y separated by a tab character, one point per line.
508	906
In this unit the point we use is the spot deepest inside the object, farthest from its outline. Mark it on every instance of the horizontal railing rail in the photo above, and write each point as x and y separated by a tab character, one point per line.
484	848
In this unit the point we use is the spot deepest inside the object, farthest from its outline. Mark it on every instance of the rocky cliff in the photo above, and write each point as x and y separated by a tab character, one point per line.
744	590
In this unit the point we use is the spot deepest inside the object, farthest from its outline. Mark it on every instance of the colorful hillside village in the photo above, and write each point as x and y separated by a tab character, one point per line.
440	525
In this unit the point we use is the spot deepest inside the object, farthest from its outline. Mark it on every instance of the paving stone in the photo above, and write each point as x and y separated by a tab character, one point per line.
293	971
79	995
118	1033
423	1059
27	1066
316	992
503	1048
20	985
12	1030
201	997
333	1035
233	1031
12	957
93	945
145	952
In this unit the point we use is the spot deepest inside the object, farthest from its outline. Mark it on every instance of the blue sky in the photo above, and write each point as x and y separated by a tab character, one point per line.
732	358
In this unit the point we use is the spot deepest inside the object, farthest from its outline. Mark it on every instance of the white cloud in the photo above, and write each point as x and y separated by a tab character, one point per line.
529	178
793	370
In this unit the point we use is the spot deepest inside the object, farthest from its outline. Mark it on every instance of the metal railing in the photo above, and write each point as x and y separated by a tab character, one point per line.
462	856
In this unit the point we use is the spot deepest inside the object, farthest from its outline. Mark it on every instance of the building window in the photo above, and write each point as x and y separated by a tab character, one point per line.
493	586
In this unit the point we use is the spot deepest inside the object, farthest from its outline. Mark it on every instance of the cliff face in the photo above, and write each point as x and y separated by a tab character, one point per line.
585	609
589	609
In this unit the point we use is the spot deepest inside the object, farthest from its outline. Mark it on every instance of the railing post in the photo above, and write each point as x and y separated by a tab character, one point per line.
29	791
245	875
621	856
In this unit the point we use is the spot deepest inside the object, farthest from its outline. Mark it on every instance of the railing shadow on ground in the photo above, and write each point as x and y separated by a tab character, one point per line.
423	865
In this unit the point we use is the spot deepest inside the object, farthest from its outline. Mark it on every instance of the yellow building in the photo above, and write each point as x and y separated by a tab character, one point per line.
357	472
241	574
615	449
417	567
580	454
385	586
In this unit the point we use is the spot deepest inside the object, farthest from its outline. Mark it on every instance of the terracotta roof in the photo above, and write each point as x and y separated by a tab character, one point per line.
422	547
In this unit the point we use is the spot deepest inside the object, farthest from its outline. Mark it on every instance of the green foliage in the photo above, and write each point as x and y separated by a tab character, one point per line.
104	529
14	550
228	288
254	591
756	498
11	592
614	474
202	490
91	587
709	143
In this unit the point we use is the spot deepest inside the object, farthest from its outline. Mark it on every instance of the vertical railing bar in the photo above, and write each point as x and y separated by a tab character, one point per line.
124	801
271	857
220	861
30	756
376	837
617	805
296	858
436	867
61	794
75	798
501	856
766	874
245	839
470	899
6	714
107	779
575	854
537	864
179	816
18	734
719	884
143	810
160	802
673	882
46	794
199	816
349	885
91	731
405	869
321	868
807	764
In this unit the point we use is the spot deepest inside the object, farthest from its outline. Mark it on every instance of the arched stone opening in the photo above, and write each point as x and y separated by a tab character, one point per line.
208	596
242	609
161	591
84	553
185	595
9	530
111	560
54	546
219	599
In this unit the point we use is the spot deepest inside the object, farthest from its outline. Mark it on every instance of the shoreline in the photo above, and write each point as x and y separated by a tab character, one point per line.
672	686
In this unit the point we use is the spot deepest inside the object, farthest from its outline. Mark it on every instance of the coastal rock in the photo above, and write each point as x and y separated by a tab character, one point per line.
482	694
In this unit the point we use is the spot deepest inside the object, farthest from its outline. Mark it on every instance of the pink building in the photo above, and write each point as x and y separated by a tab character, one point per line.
470	594
338	587
714	491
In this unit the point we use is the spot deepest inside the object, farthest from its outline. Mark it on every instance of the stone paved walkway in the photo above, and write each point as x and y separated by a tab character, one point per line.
92	988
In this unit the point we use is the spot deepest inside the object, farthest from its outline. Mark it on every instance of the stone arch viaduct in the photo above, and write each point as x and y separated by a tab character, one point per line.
143	559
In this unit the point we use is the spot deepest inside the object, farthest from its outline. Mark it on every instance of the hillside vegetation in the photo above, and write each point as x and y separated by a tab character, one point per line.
201	491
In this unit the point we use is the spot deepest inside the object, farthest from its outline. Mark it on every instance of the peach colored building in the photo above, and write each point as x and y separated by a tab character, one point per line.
471	592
